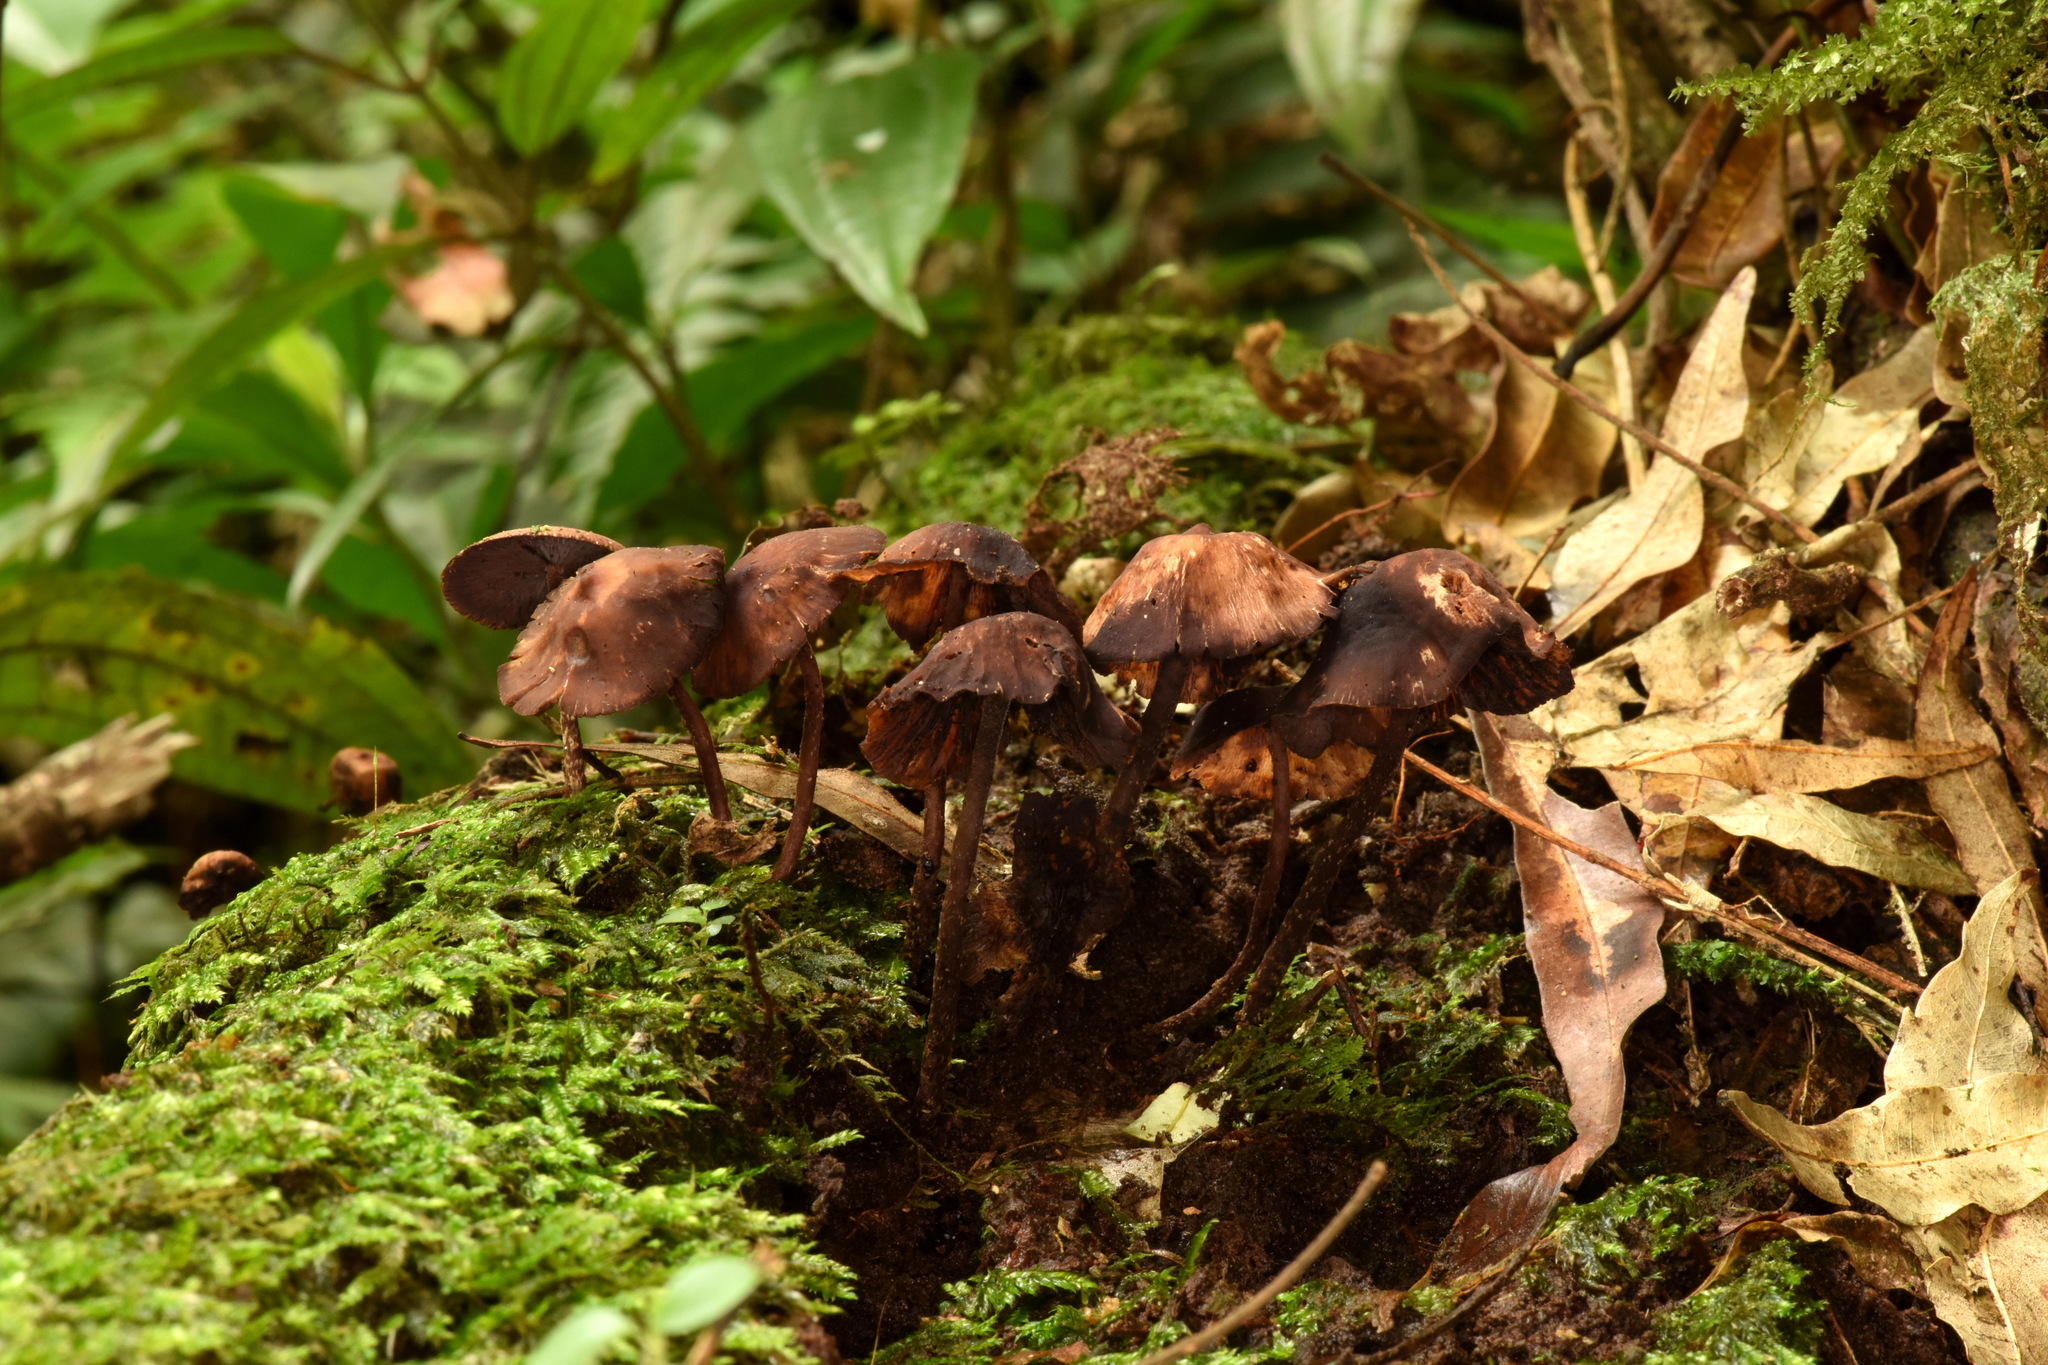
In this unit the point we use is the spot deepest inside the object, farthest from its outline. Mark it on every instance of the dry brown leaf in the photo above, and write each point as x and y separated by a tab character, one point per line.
1789	765
1658	527
1592	938
1988	1278
1546	453
468	291
2001	647
1744	213
1868	421
1872	1243
1806	824
1965	1026
1421	413
726	841
1992	837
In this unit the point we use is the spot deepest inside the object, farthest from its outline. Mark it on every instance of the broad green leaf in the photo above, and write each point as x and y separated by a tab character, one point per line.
340	520
297	236
583	1336
376	577
703	1292
612	276
54	35
555	70
87	871
247	328
709	41
269	696
864	169
170	542
351	327
203	47
1345	54
255	426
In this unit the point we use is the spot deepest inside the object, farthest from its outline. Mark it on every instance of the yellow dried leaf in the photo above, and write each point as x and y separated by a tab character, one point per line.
1806	824
1787	765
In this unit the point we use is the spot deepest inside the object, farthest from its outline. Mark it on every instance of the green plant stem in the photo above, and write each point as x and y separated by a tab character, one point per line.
990	716
101	225
672	399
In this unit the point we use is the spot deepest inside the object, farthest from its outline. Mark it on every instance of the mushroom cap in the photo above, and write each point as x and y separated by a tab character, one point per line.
363	779
1211	598
913	578
1426	629
1227	752
776	596
216	878
617	634
921	725
501	580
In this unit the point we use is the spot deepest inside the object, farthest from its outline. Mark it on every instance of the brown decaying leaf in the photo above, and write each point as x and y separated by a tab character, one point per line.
1993	840
1592	938
726	841
1658	527
1871	1242
1114	487
2001	655
1885	849
1546	454
1790	765
1421	413
1985	1275
1744	214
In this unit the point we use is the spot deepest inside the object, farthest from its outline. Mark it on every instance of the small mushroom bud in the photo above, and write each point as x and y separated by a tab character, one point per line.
214	879
363	779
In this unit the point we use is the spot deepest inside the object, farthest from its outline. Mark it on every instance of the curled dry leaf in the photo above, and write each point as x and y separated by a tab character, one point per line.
1744	213
468	291
1421	414
1871	1242
726	841
1592	938
1821	830
1985	1275
1546	454
1790	765
1803	446
1993	839
1658	527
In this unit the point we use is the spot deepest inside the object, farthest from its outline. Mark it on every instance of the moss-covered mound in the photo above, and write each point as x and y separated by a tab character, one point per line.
415	1096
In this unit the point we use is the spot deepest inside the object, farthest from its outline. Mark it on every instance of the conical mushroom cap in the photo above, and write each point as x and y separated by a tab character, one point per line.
501	580
776	597
1425	629
1228	753
921	726
915	576
1210	598
617	634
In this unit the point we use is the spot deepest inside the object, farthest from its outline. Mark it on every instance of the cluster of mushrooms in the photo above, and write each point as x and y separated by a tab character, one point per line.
1406	641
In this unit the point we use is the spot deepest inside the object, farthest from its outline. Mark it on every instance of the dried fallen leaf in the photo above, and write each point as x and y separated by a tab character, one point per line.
1592	938
1861	429
1546	454
1787	765
1992	837
728	842
1871	1242
1965	1026
1988	1278
2001	657
1658	527
1806	824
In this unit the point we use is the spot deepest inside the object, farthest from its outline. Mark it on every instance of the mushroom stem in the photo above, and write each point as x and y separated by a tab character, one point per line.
1263	905
707	750
806	766
1130	783
572	753
924	908
1330	861
945	1012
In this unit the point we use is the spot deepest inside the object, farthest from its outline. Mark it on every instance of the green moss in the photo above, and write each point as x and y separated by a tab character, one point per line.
425	1091
1620	1235
1758	1318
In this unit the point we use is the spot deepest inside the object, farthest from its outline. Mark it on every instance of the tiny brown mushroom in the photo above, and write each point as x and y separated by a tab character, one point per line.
1415	637
1180	620
624	630
216	878
1232	751
946	718
776	598
501	580
363	779
927	583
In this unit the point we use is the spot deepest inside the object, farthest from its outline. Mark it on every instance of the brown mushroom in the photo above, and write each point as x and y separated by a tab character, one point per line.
1232	751
501	580
776	597
1180	620
216	878
363	779
927	583
946	719
622	631
1415	637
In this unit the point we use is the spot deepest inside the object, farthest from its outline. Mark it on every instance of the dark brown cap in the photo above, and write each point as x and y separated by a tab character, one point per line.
915	576
921	726
1227	750
1211	598
776	597
216	878
617	634
501	580
363	779
1429	628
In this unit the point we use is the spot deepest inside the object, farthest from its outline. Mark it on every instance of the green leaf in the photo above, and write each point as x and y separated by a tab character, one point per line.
340	520
376	577
709	41
254	427
1544	238
581	1337
703	1292
351	327
269	696
243	331
612	276
201	48
170	542
1345	54
864	169
297	236
556	69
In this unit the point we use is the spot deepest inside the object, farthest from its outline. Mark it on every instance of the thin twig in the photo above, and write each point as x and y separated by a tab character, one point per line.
1430	1331
1688	898
1712	478
1901	614
1933	488
1281	1283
